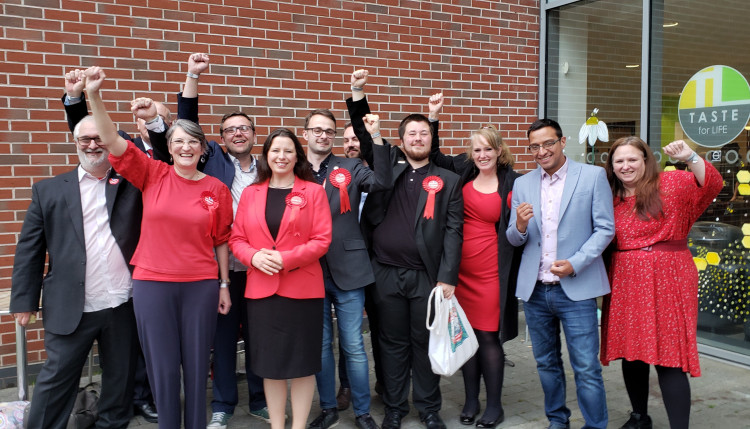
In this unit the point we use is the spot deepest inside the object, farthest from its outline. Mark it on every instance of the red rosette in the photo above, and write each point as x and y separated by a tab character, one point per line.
510	198
295	200
210	203
341	178
433	185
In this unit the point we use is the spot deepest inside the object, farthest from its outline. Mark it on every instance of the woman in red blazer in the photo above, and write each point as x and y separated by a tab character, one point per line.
282	228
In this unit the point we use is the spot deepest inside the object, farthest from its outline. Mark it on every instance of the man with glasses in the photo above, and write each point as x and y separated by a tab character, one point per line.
346	267
562	213
88	222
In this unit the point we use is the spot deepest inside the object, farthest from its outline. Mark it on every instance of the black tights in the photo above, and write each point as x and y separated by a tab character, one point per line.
489	361
675	390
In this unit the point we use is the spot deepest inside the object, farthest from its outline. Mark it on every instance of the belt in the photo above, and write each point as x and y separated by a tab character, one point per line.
664	246
549	283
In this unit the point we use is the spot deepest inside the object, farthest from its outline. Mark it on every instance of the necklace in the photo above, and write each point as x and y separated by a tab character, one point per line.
195	176
271	185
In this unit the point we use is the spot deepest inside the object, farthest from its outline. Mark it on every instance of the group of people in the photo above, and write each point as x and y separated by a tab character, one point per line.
309	232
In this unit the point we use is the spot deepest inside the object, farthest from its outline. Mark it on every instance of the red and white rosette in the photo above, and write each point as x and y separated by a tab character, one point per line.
341	178
433	185
210	203
295	200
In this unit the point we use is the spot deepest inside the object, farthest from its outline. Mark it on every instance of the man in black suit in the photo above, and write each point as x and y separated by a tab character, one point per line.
346	267
74	102
416	233
88	221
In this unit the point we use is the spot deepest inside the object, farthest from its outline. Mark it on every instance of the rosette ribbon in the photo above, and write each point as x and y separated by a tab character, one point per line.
433	185
210	203
341	178
295	200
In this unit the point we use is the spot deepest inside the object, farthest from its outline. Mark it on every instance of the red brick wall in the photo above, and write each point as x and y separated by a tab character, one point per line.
275	60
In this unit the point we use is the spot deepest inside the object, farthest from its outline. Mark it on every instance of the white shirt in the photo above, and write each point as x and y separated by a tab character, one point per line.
242	179
552	189
108	281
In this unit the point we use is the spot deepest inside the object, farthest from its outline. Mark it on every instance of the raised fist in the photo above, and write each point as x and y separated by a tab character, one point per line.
359	78
94	78
678	150
372	123
435	105
197	63
74	83
144	108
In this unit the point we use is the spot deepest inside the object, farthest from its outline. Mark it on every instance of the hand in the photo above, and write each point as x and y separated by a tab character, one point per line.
561	268
372	123
359	78
267	261
94	78
144	108
678	150
447	289
24	318
198	63
435	105
524	212
225	302
74	83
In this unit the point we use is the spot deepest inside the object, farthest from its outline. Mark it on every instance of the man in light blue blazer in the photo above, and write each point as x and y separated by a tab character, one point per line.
562	214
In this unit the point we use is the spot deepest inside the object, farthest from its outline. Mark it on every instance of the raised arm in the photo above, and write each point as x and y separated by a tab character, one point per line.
187	101
107	131
74	100
358	108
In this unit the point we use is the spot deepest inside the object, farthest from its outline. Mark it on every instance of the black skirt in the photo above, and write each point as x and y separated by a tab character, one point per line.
286	336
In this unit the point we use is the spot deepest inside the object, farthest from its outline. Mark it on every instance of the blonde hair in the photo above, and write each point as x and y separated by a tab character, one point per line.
493	138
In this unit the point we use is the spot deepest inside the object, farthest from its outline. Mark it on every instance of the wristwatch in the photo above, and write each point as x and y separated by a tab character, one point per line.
224	283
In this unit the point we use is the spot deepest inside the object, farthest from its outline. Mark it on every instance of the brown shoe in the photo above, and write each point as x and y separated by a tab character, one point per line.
343	398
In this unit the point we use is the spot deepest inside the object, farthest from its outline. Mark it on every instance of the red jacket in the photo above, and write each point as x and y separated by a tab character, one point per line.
301	243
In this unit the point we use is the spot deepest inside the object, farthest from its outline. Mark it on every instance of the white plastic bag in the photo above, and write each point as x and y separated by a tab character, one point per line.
452	340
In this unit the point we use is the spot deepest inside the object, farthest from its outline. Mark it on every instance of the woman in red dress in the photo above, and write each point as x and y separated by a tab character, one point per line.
489	264
651	315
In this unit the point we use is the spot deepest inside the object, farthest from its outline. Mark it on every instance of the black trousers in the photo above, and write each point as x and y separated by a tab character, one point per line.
57	384
401	297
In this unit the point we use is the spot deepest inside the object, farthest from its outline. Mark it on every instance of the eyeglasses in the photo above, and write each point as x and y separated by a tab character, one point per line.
533	148
242	128
317	132
86	140
191	143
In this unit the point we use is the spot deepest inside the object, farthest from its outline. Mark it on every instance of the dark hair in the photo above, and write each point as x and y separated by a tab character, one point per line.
233	114
191	128
302	167
648	203
348	124
322	112
544	123
414	117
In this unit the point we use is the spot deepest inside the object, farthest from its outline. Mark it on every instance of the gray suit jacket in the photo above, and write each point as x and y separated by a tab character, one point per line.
586	226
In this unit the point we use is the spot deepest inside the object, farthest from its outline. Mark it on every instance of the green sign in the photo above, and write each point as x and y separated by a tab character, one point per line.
715	106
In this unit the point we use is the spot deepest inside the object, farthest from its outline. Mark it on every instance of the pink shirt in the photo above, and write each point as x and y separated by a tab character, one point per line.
552	189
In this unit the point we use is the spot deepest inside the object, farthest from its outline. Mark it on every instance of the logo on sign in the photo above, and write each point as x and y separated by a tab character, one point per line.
715	106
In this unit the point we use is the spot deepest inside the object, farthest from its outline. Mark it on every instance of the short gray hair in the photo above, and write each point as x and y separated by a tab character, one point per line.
191	128
77	128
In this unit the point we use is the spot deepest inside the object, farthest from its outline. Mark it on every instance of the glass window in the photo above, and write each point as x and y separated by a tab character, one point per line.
594	61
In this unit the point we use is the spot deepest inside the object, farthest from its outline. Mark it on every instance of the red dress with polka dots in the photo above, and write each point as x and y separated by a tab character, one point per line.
651	314
478	290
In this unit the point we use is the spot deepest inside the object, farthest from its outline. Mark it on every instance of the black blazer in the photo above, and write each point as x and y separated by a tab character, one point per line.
509	257
54	225
438	239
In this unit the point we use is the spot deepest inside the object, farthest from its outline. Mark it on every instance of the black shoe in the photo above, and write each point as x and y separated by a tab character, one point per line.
482	423
343	398
328	418
433	421
638	421
467	419
147	411
379	387
365	421
392	420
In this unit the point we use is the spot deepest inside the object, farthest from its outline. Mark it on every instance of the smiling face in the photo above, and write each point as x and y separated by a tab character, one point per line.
92	157
417	140
185	149
282	156
322	144
351	143
483	155
552	158
628	165
238	142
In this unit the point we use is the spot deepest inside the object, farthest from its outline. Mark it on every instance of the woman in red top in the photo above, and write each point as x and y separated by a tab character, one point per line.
186	219
650	318
282	229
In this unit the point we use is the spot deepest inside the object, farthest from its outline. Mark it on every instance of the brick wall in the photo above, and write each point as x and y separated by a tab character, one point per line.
275	60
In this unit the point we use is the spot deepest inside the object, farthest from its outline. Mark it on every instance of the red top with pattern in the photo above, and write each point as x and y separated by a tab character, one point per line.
175	243
478	289
651	314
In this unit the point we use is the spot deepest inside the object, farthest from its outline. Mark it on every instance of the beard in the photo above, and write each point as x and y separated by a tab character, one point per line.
90	164
352	152
415	155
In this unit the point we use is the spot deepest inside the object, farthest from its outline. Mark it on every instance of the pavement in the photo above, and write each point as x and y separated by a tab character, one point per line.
720	397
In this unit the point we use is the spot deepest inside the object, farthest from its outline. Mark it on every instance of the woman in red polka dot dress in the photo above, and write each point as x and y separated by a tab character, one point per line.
651	316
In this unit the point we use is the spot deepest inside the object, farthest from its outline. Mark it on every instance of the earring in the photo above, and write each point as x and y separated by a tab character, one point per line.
203	159
170	159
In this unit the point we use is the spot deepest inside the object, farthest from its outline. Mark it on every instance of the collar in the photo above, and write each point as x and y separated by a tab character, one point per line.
83	173
561	172
236	163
